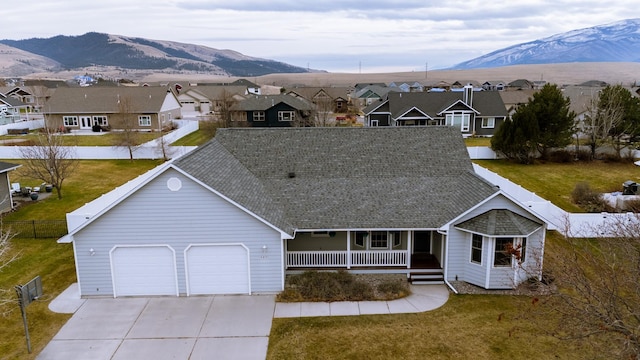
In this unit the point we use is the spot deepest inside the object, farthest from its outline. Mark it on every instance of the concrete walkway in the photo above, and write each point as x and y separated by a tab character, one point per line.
229	326
423	298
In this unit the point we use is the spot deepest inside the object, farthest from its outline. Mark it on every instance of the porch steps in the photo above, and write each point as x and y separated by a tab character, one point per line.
426	276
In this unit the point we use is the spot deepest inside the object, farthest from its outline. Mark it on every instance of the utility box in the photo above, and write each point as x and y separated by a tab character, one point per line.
629	188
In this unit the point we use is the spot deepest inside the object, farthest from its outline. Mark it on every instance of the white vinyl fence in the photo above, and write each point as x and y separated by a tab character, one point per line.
149	150
574	225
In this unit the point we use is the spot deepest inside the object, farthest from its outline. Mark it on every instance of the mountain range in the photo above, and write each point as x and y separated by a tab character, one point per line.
130	53
98	52
615	42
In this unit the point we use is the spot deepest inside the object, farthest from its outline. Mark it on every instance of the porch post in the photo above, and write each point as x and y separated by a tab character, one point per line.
348	249
409	247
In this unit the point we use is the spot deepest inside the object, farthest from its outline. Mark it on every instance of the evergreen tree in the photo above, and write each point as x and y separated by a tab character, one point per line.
543	123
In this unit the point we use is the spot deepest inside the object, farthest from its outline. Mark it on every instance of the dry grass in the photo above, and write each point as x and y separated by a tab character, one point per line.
466	327
53	262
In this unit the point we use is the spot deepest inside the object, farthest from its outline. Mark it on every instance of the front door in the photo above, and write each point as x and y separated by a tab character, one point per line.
85	122
422	242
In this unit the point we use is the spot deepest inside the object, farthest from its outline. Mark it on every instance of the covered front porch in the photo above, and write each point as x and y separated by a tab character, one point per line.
365	250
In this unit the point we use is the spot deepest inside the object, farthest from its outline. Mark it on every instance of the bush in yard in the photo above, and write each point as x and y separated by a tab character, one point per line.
393	289
561	156
326	286
587	198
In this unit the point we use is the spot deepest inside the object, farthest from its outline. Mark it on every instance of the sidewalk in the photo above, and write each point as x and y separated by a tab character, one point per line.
422	298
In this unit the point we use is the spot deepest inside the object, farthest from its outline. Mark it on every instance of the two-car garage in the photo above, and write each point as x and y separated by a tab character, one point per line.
149	270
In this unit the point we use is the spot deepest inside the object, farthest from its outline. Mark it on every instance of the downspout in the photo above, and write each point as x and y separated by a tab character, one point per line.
446	268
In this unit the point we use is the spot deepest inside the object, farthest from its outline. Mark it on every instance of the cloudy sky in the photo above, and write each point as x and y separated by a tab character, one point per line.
338	36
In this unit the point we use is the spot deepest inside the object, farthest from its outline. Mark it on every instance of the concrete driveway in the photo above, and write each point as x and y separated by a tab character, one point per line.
203	327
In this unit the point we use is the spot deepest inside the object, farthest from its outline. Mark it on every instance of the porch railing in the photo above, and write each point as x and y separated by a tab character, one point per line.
338	258
379	258
316	258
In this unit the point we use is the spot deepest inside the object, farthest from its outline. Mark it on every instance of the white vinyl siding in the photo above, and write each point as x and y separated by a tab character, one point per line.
486	275
192	215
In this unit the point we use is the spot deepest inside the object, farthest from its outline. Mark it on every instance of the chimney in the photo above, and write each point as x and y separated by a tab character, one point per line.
468	95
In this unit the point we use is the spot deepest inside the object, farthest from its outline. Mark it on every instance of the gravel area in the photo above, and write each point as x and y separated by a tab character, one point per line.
524	289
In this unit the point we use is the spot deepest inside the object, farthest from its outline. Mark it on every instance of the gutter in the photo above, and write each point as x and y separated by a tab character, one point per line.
446	249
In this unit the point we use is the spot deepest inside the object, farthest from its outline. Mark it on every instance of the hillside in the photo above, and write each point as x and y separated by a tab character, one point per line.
112	52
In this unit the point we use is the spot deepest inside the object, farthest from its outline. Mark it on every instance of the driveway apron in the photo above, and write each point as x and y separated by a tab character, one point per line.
201	327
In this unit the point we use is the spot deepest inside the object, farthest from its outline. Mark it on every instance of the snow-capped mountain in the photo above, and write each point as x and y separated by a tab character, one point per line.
615	42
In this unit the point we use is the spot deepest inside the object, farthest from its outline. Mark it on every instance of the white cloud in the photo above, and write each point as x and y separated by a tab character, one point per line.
332	35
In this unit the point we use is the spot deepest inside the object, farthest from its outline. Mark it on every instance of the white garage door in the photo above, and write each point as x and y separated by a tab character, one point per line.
143	270
217	269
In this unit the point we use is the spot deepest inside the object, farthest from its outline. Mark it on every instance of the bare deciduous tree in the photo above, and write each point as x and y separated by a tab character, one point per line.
324	106
127	134
48	160
598	281
7	256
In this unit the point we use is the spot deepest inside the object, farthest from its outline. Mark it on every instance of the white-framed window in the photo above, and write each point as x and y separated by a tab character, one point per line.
258	116
462	120
379	240
476	249
144	120
100	120
523	250
488	123
501	255
70	120
286	115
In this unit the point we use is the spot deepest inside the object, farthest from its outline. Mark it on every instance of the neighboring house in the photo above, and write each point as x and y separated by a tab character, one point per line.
326	99
520	84
272	111
210	99
252	205
145	108
10	110
6	187
371	94
494	85
514	99
472	112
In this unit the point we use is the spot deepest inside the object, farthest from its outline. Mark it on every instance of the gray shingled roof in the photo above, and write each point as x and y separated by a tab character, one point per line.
342	178
143	99
487	103
264	102
500	222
